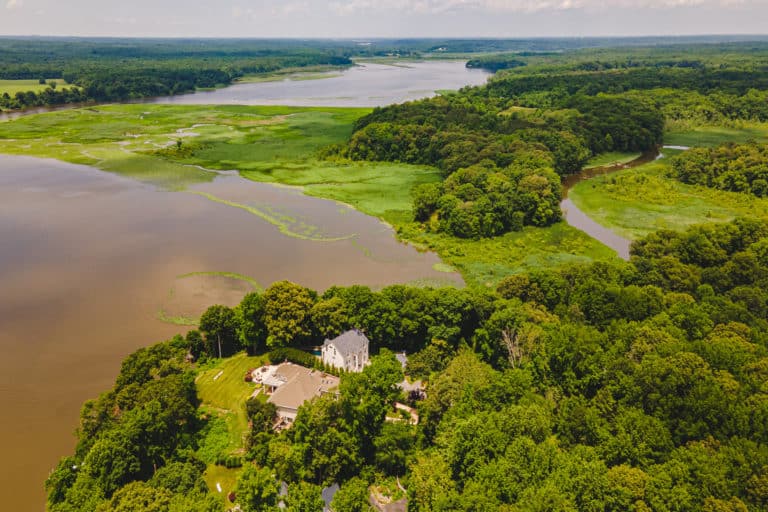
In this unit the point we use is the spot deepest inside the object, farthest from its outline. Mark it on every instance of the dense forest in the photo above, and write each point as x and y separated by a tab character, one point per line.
733	167
594	387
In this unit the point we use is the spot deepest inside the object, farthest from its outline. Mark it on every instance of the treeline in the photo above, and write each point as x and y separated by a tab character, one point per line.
593	387
497	62
118	70
732	167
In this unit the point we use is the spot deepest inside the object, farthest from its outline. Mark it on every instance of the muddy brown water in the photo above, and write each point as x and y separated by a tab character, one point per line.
87	259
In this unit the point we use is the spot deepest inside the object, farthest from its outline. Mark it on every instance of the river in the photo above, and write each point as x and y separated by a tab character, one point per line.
89	261
581	221
364	85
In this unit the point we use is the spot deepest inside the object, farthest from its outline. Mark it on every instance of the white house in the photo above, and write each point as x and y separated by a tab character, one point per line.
348	351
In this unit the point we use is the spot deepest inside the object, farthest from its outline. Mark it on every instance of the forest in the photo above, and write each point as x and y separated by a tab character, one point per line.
594	387
733	167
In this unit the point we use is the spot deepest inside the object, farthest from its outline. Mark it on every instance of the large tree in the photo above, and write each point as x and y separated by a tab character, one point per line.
219	324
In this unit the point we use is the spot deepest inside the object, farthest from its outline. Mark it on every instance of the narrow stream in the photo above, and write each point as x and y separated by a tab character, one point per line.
581	221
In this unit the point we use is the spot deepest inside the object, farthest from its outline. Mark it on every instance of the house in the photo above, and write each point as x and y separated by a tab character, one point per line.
348	351
290	385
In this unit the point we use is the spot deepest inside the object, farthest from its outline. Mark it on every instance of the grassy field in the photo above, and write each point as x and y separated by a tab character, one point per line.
223	393
638	201
13	86
714	135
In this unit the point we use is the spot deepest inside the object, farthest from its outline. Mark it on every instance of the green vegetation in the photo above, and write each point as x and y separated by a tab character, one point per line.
636	202
11	87
486	261
732	167
611	387
117	70
223	393
702	136
610	159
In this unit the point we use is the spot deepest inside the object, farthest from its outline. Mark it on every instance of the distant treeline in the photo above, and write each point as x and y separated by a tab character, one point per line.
117	70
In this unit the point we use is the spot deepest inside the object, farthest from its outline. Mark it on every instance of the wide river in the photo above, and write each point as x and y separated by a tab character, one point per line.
90	260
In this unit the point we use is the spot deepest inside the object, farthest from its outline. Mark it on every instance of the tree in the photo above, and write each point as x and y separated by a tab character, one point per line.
393	446
250	323
219	325
140	497
257	489
352	497
287	308
261	414
304	497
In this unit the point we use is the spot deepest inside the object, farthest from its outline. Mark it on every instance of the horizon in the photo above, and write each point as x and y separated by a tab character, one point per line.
386	19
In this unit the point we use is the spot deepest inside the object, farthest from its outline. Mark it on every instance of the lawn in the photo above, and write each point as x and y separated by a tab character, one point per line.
223	393
636	202
13	86
225	477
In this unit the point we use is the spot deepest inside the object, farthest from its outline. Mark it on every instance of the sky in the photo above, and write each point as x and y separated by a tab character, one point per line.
382	18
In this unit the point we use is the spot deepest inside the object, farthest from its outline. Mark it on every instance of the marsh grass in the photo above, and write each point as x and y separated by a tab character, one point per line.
714	135
279	221
485	262
636	202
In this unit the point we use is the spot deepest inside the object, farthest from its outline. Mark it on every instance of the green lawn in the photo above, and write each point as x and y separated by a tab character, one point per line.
13	86
636	202
223	393
227	478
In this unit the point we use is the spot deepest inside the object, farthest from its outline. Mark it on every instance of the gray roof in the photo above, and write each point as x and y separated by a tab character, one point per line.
350	341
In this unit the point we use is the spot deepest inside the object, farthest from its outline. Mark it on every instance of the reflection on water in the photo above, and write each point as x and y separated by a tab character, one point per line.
86	263
365	85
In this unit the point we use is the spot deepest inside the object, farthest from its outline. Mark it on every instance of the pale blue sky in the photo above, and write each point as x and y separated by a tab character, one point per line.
382	18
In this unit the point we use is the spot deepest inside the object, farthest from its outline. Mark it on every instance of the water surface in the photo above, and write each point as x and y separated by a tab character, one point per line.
87	261
581	221
364	85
